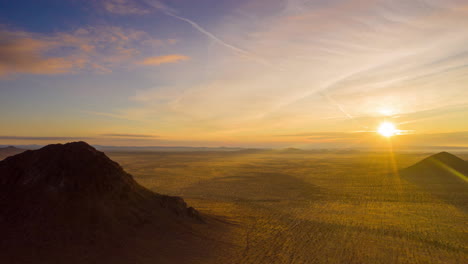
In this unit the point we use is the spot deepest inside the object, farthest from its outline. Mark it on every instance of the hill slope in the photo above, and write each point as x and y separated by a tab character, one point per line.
438	168
72	202
444	176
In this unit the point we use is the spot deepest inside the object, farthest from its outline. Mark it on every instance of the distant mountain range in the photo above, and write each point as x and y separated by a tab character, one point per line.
164	149
144	148
246	149
9	151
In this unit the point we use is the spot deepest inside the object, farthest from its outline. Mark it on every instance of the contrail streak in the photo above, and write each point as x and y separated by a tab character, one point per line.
171	12
335	103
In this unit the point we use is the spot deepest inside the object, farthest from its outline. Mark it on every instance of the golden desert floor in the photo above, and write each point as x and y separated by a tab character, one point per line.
305	207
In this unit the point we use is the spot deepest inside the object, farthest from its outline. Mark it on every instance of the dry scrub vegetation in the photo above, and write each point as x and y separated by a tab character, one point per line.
305	207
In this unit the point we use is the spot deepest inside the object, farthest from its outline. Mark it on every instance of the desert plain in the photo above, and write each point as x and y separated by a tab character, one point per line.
296	206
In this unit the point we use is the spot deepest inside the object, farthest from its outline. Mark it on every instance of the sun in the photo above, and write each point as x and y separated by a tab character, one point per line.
387	129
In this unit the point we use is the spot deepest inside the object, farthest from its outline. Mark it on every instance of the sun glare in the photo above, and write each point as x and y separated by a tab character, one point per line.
387	129
386	111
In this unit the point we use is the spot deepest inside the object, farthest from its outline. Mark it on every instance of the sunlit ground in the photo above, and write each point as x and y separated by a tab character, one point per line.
313	208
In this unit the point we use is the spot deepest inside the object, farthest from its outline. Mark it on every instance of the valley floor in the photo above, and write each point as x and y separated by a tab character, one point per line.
304	207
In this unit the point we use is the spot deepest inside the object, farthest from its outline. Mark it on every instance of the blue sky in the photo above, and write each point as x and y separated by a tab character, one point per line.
303	73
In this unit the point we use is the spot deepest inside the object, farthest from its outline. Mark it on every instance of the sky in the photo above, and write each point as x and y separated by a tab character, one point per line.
258	73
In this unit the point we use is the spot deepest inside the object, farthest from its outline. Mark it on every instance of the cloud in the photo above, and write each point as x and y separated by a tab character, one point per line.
32	138
342	60
332	137
97	49
171	12
372	139
129	135
22	53
172	58
132	7
124	7
101	136
322	134
161	6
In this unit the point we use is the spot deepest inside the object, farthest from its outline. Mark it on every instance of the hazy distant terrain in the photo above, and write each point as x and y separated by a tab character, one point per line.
304	207
9	151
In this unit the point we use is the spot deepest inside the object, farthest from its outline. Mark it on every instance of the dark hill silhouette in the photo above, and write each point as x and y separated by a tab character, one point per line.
71	202
9	151
441	167
443	175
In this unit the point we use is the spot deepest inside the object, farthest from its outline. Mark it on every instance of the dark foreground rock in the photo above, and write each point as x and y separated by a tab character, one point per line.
71	204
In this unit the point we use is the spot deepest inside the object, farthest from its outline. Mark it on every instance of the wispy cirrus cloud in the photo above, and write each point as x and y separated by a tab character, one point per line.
340	65
158	60
100	136
159	5
97	49
21	52
33	138
124	7
132	7
129	135
372	139
342	60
